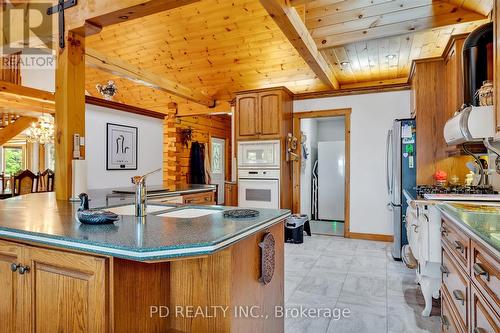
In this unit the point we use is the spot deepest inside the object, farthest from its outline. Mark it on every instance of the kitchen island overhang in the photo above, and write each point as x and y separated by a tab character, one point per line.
150	238
210	261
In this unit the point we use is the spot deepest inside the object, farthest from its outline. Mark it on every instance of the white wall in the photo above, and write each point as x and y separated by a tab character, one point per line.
309	127
150	147
372	116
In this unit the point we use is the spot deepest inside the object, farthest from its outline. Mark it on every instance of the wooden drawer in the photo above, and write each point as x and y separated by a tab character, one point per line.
206	198
485	274
456	287
457	242
167	200
483	317
448	322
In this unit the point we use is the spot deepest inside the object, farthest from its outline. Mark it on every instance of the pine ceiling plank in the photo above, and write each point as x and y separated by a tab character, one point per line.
132	72
483	7
317	10
366	12
291	25
398	28
435	10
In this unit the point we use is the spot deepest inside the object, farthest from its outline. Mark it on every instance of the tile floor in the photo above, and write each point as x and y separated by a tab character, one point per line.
333	272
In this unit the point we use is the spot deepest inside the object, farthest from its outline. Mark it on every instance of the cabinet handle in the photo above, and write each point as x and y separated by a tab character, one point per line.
479	270
444	231
445	322
24	269
14	267
445	270
479	330
459	246
459	296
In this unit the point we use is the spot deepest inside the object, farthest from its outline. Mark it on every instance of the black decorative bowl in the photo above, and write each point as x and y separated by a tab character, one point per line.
241	213
96	216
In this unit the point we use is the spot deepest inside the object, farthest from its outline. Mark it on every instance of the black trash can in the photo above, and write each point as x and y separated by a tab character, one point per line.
294	229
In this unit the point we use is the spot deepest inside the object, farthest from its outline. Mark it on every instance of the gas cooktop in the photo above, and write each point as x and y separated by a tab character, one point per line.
457	193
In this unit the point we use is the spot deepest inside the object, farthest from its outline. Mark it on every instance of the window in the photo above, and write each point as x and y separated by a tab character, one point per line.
50	156
216	157
13	160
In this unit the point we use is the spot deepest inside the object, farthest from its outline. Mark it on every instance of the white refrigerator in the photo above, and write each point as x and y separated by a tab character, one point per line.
331	180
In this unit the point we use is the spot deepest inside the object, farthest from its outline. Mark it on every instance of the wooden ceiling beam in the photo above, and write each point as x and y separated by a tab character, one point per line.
290	23
25	98
89	17
134	73
191	109
12	130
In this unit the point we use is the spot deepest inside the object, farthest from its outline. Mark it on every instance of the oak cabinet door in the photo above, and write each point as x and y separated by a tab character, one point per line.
270	109
247	109
68	292
11	289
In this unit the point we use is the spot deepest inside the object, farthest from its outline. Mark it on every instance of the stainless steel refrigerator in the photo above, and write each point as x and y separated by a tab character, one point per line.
401	166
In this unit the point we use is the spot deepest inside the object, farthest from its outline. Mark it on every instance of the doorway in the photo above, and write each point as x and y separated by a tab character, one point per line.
322	171
218	167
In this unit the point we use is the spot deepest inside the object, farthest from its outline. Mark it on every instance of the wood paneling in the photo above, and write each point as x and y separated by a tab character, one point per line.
147	285
224	279
177	156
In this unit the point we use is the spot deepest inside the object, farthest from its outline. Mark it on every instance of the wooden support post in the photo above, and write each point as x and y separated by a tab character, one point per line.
70	109
170	165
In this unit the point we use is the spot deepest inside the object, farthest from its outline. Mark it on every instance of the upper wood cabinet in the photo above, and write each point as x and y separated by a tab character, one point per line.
427	80
51	291
260	114
247	107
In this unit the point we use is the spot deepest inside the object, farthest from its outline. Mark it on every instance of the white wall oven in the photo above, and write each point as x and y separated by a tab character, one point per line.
259	174
259	188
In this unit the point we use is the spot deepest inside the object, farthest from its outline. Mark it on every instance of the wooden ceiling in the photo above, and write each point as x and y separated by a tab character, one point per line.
219	47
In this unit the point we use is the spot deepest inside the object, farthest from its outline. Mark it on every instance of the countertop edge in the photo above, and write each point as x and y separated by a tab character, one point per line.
470	232
140	255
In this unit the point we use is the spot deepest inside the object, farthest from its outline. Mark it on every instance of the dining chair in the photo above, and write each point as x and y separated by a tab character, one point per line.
46	181
24	183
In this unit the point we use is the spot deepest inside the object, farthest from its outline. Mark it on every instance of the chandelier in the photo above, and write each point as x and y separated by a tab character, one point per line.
41	131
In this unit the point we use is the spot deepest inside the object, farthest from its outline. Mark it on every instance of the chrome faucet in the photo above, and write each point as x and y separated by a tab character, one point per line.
141	193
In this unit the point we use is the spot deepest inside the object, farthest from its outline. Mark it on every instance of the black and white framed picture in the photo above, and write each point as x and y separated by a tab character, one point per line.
121	147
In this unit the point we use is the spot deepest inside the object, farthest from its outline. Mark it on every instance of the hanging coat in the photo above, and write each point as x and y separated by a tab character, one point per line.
197	163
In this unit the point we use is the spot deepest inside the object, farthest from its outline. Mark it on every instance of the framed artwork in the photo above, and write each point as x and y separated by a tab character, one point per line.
121	147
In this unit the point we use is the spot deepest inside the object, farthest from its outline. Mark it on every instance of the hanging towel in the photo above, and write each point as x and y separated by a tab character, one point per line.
197	163
208	168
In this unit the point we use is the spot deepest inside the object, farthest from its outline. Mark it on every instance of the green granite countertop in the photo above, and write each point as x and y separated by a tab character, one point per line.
482	221
40	218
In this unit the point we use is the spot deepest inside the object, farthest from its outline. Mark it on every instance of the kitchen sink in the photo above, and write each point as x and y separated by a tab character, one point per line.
189	213
130	209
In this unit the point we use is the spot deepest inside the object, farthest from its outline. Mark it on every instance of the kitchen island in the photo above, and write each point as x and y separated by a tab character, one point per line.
187	268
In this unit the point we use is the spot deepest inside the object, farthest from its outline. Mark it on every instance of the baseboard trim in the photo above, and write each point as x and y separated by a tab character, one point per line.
374	237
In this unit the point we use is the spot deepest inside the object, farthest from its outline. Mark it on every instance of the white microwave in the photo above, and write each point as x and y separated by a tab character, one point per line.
259	154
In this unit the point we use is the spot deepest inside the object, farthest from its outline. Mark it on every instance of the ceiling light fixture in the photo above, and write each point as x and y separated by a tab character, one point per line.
41	131
344	63
390	56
